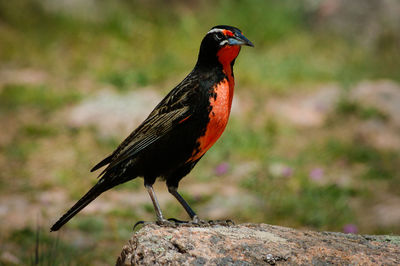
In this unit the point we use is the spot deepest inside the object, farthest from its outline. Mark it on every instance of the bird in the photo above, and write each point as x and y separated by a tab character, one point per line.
179	130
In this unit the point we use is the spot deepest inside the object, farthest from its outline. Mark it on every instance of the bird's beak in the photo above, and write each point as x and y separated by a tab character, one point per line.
239	39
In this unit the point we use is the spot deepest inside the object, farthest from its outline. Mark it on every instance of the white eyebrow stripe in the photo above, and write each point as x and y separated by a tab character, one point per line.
215	30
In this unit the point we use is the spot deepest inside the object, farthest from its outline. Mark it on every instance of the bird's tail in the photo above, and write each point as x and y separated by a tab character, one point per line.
92	194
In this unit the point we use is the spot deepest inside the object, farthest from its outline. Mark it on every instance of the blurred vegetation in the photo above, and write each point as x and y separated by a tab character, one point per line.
84	46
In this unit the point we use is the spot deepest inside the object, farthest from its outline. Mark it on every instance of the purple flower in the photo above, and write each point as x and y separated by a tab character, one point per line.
350	229
287	171
316	174
221	169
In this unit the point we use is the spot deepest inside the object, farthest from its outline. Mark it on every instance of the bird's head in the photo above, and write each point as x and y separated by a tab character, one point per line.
222	45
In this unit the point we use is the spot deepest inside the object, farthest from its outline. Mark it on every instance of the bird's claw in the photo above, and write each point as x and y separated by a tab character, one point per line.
141	223
179	222
228	222
196	222
168	223
165	223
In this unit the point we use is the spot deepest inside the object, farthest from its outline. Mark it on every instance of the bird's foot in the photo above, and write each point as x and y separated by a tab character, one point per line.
168	223
197	222
144	223
228	222
188	223
176	221
161	222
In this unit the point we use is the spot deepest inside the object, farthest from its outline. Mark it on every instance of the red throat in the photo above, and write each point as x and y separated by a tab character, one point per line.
225	56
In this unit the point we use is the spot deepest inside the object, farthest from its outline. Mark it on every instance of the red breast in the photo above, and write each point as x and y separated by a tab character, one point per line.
220	103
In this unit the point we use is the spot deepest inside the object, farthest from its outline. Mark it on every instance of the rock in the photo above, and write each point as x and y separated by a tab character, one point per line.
26	76
310	110
388	211
369	21
114	114
82	10
383	95
379	135
9	258
255	244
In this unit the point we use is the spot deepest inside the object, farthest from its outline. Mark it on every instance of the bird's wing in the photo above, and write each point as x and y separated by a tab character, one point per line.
167	114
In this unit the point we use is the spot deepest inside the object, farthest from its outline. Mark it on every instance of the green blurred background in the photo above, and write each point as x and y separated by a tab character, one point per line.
313	140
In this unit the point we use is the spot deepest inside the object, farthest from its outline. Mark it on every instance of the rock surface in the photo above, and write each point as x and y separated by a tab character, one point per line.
255	244
114	114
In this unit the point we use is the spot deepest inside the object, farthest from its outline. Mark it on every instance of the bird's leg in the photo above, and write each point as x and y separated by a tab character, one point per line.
160	219
195	219
157	208
153	197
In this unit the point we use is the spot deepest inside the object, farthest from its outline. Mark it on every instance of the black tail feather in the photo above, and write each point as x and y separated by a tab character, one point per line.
105	161
92	194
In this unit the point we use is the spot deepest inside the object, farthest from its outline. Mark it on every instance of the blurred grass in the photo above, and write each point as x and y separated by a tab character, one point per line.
104	47
41	98
126	45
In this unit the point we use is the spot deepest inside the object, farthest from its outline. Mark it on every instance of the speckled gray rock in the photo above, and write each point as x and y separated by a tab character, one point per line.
255	244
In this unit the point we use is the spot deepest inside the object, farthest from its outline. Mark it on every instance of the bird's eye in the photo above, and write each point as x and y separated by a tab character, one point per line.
219	36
